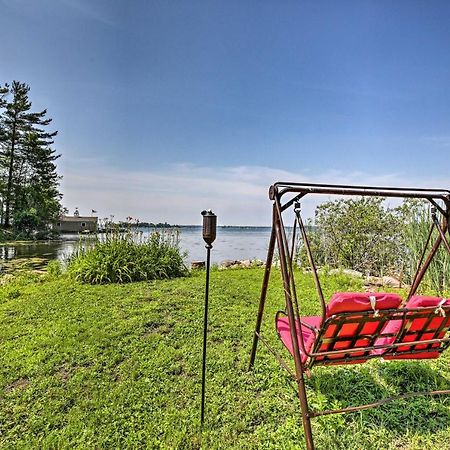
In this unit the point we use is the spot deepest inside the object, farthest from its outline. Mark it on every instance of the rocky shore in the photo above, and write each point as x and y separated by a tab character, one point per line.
369	281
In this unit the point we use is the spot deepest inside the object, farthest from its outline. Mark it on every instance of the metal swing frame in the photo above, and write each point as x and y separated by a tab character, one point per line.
285	195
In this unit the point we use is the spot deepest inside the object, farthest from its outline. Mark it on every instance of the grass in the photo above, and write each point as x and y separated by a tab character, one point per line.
118	366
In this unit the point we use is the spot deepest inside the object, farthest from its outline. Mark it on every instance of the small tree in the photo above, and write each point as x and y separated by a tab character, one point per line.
360	234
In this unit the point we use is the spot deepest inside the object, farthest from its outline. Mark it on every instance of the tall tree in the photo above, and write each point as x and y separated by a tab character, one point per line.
37	197
26	157
4	90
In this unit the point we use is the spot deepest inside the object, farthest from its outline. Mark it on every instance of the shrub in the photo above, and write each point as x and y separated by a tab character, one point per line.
54	267
123	258
360	234
365	235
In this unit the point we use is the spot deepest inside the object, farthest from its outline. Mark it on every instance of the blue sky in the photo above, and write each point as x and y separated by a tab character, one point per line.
167	107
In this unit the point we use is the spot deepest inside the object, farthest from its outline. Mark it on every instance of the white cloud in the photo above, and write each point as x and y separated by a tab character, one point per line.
177	194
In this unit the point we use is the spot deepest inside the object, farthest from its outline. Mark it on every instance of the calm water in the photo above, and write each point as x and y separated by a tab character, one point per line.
231	243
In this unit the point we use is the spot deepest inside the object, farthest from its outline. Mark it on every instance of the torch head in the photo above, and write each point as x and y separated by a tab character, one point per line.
209	226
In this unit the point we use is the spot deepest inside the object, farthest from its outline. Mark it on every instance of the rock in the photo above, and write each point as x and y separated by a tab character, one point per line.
374	281
244	264
228	263
392	282
197	264
6	278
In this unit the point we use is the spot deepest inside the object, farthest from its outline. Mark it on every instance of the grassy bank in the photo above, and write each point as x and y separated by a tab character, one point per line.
118	366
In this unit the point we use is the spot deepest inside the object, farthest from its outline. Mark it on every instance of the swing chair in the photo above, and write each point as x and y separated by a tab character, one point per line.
353	327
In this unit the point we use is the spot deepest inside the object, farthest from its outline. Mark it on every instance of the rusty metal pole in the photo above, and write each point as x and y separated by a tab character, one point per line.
209	235
263	296
282	252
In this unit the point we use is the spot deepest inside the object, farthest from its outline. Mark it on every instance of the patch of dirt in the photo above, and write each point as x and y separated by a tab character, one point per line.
21	383
156	327
64	372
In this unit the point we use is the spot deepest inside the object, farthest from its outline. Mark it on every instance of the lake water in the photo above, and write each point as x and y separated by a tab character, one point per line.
236	243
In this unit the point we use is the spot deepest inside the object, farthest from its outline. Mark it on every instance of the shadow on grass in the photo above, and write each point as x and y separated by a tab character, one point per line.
335	388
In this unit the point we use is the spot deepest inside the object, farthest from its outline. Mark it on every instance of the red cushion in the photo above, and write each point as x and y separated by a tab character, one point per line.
340	302
308	334
360	301
354	302
393	327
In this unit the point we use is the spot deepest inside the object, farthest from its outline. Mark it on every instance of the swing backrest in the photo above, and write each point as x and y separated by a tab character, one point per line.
353	320
385	328
423	318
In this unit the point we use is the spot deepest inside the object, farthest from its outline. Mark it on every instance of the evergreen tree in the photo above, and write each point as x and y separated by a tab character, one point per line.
28	172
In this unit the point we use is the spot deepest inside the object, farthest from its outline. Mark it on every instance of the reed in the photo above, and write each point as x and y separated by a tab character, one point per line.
415	233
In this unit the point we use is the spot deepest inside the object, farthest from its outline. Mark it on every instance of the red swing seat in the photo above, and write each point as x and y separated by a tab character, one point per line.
426	318
353	322
343	327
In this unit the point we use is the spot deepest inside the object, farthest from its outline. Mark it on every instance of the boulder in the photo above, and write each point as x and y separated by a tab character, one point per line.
228	263
392	282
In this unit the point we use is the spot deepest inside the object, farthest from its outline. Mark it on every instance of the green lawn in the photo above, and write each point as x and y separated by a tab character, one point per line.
119	366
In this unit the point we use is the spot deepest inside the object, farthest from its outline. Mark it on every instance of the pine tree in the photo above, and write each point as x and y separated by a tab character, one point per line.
29	178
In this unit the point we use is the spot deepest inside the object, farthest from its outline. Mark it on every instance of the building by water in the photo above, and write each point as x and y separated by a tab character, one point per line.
76	223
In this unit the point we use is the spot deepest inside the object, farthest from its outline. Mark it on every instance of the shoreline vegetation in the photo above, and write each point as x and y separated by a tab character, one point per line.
361	234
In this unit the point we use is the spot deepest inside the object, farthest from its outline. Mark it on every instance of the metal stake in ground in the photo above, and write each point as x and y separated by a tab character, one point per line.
209	235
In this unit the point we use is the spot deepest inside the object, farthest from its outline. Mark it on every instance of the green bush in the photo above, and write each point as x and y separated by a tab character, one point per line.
123	258
360	234
54	267
366	235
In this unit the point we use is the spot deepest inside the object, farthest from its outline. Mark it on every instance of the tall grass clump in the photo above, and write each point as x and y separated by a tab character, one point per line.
127	257
417	220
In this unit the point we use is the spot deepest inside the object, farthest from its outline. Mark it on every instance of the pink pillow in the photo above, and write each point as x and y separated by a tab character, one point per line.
360	301
393	326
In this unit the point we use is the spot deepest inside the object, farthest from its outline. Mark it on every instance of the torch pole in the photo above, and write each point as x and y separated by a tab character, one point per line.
209	235
205	331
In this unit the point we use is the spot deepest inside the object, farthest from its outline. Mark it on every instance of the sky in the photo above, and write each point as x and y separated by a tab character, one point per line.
165	108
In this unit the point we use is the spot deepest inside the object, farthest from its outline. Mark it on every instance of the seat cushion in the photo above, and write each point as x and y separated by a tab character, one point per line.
353	334
415	330
342	302
308	335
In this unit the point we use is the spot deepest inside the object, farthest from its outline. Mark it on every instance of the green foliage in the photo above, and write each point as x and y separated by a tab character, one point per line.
54	267
29	183
364	235
122	258
119	367
361	234
417	219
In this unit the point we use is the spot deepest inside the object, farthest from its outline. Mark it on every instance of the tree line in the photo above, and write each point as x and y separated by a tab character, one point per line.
29	182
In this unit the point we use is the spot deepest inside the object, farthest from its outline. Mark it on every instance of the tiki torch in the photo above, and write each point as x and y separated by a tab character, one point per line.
209	235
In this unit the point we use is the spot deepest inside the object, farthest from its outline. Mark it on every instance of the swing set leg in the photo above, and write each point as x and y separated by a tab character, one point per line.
262	300
306	419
